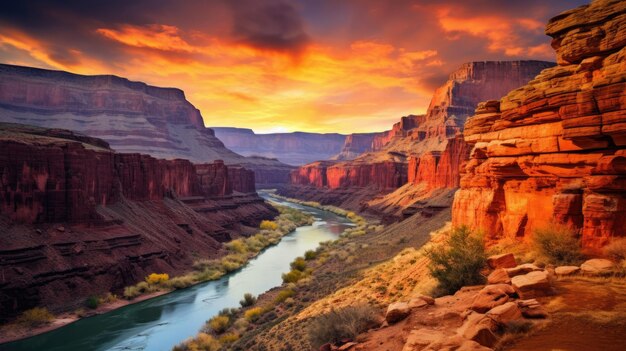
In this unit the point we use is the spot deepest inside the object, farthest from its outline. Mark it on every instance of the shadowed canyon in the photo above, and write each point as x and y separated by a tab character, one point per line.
296	175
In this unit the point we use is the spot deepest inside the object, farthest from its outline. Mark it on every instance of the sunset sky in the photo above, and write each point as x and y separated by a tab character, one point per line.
280	65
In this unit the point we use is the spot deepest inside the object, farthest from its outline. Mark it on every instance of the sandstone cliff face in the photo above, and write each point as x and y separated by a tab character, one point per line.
356	144
439	169
555	149
132	117
78	219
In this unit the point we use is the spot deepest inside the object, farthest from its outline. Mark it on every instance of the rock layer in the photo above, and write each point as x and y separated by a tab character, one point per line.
79	219
132	117
554	150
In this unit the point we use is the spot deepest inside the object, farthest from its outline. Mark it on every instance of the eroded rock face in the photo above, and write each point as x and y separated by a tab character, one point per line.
79	219
132	117
555	149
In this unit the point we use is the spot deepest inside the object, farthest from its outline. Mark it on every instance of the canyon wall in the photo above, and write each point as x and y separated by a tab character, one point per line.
79	219
554	150
132	117
420	154
356	144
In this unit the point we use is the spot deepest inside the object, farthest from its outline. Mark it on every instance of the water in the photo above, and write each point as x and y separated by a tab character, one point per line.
163	322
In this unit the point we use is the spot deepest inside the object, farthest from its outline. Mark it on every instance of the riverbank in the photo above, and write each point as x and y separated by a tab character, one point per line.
239	253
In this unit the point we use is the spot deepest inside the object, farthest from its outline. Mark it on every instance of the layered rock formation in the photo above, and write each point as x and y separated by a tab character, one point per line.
421	149
555	149
296	148
79	219
132	117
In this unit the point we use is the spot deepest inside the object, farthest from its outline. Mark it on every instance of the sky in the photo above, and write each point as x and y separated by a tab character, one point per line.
281	65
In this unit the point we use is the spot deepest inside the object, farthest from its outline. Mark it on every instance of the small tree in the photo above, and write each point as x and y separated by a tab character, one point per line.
459	261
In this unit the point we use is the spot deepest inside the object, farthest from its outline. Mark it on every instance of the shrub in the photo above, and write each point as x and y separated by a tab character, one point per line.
92	302
219	324
616	249
108	298
298	264
229	338
310	255
203	342
237	246
268	225
156	278
293	276
130	292
248	300
558	244
253	314
35	317
181	282
345	323
459	261
283	295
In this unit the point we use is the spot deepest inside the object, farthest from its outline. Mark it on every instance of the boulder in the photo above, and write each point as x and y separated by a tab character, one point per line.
522	269
457	343
429	300
420	338
502	261
416	302
531	309
499	276
532	284
491	296
397	311
479	328
566	270
597	266
505	313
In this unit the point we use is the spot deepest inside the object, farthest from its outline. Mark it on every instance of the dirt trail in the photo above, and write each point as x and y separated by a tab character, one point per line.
586	315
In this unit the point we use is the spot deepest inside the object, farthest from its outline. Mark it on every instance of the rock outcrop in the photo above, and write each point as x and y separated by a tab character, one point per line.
79	219
554	150
356	144
132	117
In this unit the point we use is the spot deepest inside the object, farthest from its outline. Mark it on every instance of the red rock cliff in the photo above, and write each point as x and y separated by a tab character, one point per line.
555	149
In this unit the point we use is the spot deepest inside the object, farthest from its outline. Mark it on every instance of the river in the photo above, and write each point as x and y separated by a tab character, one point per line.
159	324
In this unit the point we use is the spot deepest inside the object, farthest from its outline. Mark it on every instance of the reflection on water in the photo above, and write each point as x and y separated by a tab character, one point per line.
162	322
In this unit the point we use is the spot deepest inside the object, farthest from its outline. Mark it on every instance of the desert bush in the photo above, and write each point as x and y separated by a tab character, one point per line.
253	314
293	276
345	323
156	278
558	244
268	225
202	342
108	298
459	261
248	300
35	317
298	264
92	302
229	338
616	249
310	255
219	324
237	246
181	282
283	295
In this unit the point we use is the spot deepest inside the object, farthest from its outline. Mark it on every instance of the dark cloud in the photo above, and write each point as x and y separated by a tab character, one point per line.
269	25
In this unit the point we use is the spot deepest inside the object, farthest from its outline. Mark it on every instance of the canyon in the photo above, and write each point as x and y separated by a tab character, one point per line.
132	117
80	219
420	157
554	150
297	148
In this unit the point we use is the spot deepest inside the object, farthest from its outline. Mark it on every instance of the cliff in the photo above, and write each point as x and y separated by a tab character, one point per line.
132	117
423	150
297	148
79	219
554	149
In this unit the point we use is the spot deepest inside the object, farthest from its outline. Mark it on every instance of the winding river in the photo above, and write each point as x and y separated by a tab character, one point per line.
159	324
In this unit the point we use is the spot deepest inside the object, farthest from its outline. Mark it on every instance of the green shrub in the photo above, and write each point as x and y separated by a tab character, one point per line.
283	295
345	323
293	276
310	255
35	317
253	314
298	264
248	300
558	244
92	302
219	324
459	261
